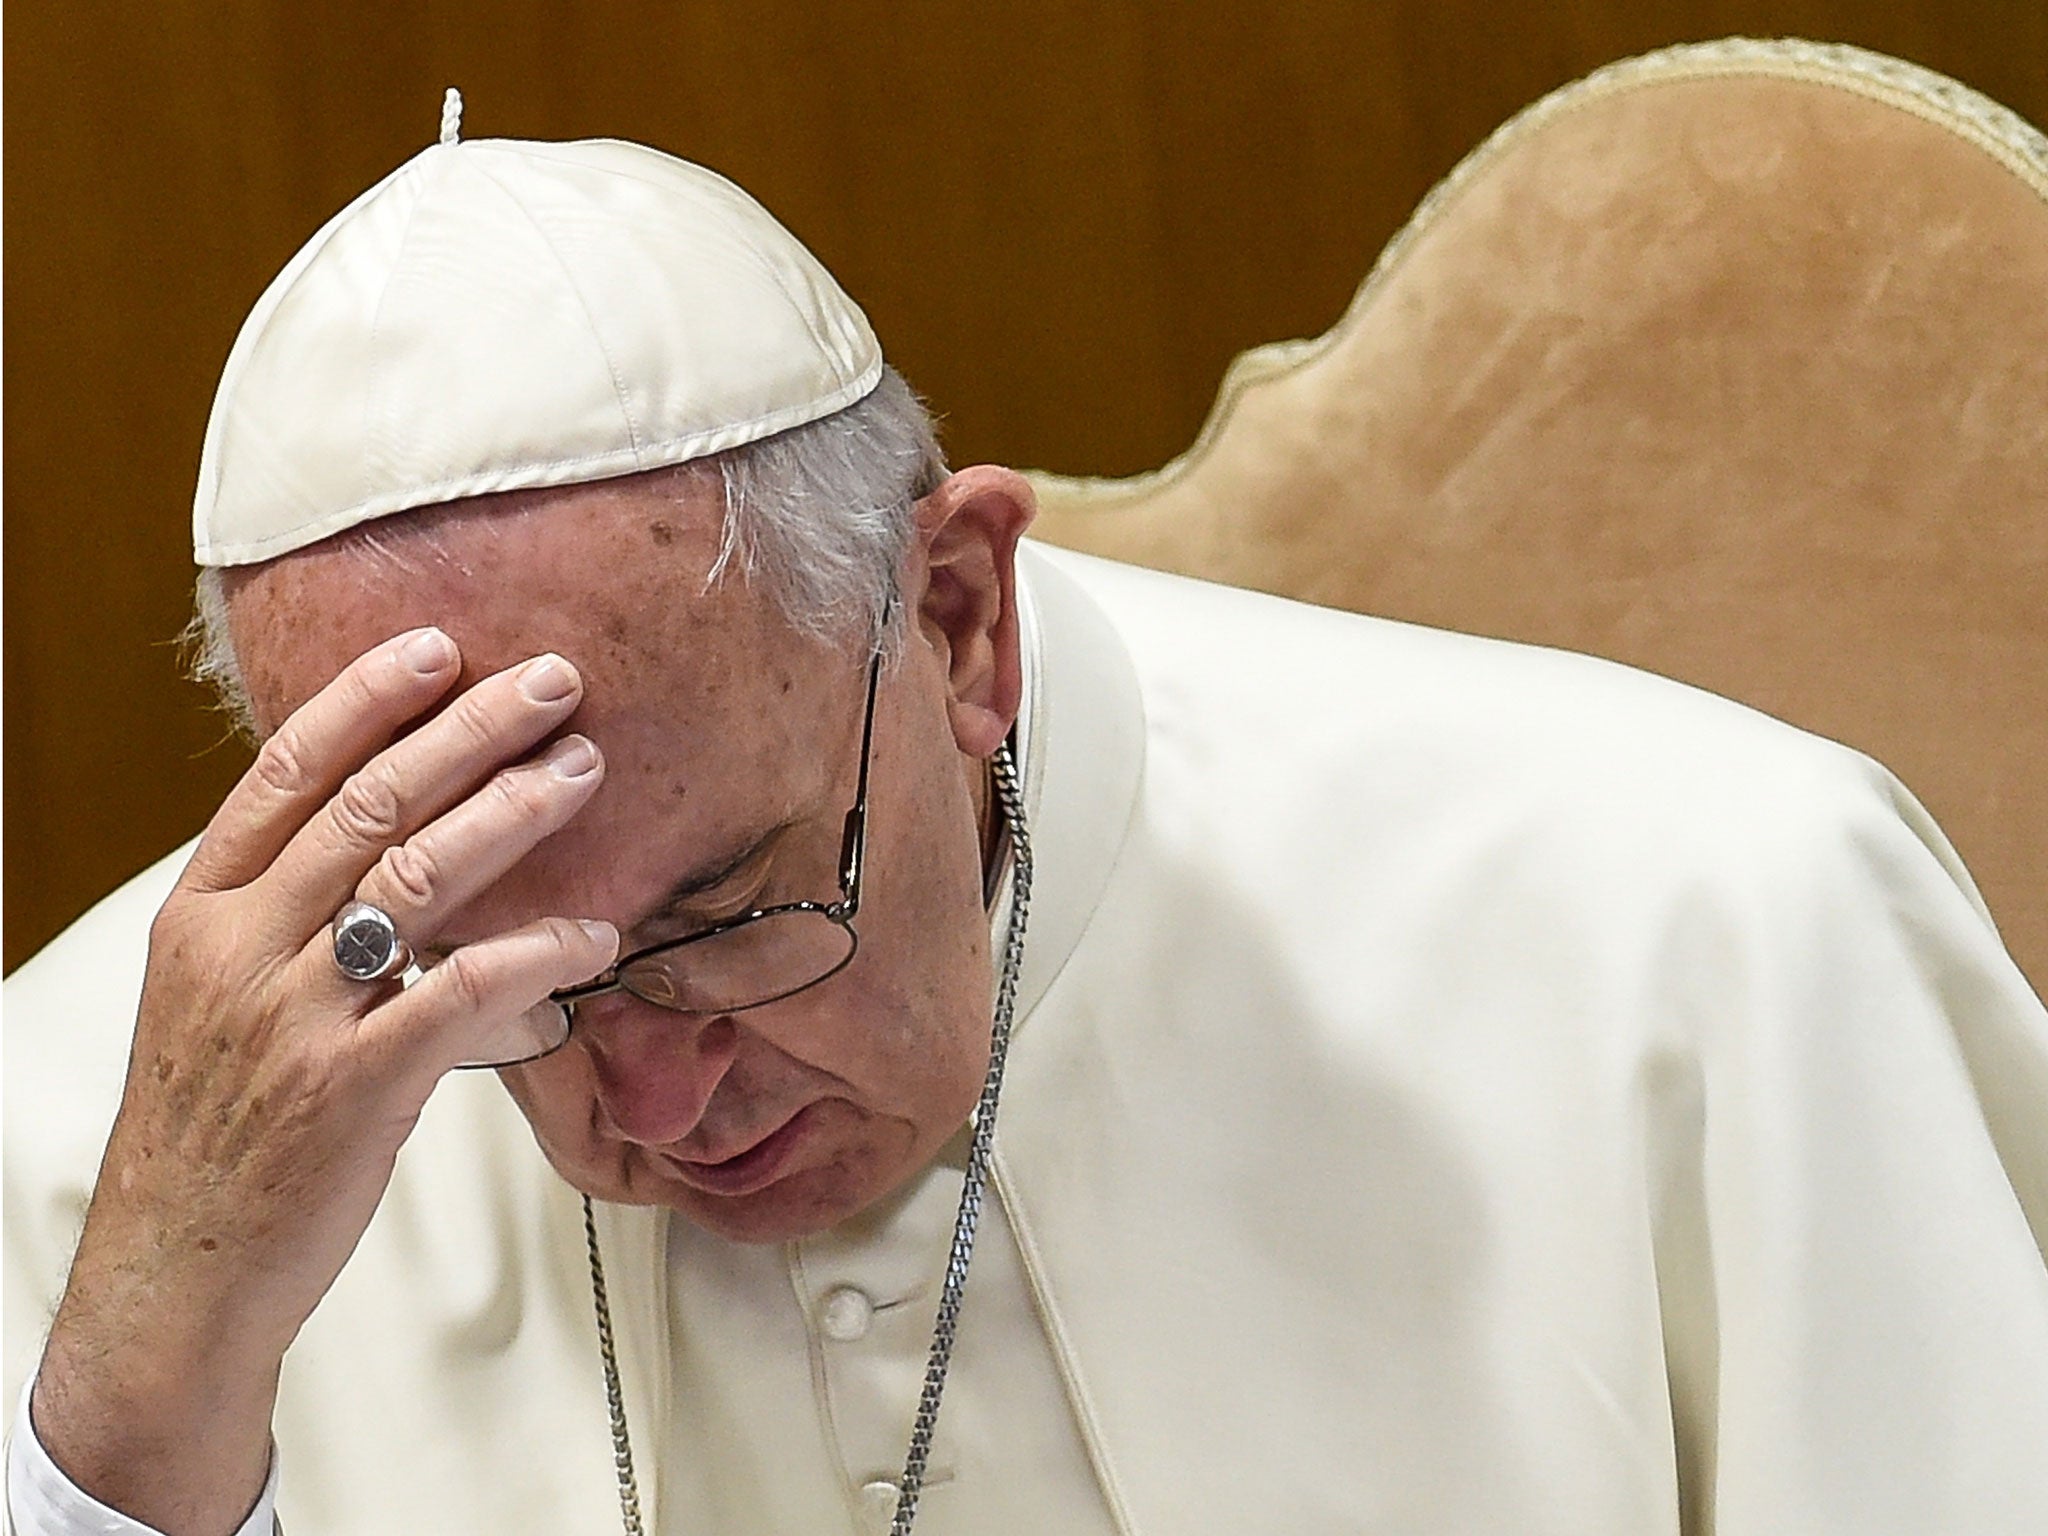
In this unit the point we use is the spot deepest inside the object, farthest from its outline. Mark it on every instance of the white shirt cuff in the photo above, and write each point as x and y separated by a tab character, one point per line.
42	1501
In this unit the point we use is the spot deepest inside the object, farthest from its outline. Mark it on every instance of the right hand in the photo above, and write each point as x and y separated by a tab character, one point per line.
268	1094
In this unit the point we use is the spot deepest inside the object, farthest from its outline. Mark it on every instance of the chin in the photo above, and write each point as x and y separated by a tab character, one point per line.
807	1199
801	1204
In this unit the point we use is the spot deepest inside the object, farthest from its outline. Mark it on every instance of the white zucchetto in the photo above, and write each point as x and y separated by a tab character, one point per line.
499	314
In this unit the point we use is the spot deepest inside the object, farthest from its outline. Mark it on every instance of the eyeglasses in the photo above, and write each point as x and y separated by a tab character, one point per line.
758	957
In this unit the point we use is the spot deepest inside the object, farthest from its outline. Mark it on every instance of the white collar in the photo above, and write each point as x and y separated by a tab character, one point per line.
1081	740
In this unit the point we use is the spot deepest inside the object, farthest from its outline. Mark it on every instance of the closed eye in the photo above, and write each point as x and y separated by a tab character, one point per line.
739	897
736	892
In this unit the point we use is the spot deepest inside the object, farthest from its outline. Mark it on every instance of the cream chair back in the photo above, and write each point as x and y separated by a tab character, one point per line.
1730	362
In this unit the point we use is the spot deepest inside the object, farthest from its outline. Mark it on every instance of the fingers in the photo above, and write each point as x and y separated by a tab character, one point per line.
268	1096
447	863
487	1002
307	758
422	827
416	778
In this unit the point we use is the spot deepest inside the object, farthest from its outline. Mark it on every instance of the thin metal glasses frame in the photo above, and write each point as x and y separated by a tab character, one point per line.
852	859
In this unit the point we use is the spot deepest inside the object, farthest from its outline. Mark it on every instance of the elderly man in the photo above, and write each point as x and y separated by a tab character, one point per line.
1455	1086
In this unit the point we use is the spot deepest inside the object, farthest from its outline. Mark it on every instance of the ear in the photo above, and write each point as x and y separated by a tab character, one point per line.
967	532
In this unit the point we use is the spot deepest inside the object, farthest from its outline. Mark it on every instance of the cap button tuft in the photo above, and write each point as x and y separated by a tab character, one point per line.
451	116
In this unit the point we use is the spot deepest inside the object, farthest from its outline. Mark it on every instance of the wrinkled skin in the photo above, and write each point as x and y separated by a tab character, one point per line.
717	722
524	821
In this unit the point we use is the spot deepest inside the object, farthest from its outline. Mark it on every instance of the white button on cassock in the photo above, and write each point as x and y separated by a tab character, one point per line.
878	1500
845	1315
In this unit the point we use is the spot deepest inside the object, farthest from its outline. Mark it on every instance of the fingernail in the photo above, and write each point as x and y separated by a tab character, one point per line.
547	679
602	933
427	651
572	757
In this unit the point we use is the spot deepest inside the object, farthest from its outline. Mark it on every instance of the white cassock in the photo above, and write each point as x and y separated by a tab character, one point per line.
1459	1087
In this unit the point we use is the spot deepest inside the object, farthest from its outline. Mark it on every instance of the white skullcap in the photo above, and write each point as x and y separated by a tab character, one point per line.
501	314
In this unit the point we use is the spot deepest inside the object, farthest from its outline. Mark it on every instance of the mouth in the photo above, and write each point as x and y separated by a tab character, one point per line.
754	1169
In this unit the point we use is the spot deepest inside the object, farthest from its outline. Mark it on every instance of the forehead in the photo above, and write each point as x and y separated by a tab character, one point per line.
621	567
715	717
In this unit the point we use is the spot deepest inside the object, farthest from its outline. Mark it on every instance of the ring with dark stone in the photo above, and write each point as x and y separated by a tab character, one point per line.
366	943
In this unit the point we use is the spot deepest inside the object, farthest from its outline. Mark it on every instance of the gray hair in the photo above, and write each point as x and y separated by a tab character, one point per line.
817	518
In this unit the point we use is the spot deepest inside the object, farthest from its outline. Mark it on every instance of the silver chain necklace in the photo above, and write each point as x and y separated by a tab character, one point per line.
1010	797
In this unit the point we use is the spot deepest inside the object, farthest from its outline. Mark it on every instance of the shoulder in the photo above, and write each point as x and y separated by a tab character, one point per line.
76	996
71	1008
69	1013
102	952
1538	775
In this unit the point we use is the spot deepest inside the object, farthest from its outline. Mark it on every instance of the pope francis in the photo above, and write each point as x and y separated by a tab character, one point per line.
985	1040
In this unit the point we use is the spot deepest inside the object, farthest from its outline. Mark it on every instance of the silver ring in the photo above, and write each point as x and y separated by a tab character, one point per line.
366	943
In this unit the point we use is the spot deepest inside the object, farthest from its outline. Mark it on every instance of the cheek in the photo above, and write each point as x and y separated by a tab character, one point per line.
924	961
923	1021
926	872
558	1096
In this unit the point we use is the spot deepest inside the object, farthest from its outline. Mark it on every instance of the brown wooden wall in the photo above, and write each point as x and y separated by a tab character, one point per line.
1063	218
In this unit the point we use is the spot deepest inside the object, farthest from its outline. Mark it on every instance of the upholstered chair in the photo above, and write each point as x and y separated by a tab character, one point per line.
1730	362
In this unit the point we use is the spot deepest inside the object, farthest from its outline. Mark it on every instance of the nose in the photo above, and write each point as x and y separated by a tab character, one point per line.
656	1069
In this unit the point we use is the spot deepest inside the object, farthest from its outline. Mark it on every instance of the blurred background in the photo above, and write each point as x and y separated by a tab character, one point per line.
1064	219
